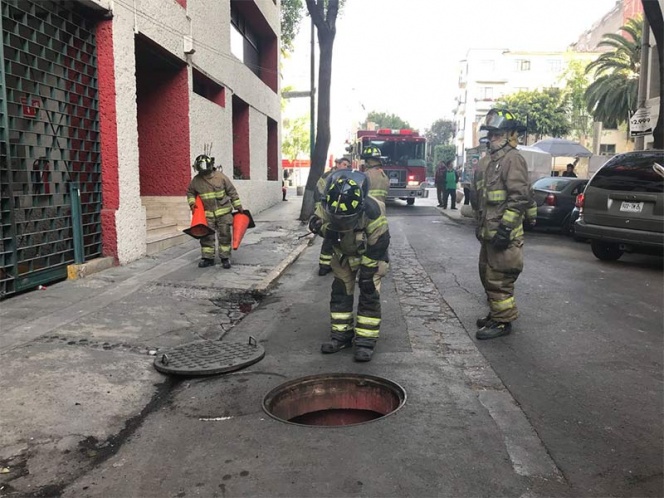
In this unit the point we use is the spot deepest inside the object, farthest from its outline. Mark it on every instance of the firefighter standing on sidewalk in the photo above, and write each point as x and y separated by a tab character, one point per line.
326	247
356	224
379	183
219	198
502	198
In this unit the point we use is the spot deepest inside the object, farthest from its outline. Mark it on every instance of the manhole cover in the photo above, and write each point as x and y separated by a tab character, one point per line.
332	400
209	357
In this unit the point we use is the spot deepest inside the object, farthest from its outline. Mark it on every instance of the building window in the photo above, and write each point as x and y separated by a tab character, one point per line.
605	149
554	65
272	150
245	44
522	65
485	93
209	89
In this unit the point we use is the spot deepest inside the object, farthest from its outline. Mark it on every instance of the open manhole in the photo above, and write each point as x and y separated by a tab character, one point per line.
332	400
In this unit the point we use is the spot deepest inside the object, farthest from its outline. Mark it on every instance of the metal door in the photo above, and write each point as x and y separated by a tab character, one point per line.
49	141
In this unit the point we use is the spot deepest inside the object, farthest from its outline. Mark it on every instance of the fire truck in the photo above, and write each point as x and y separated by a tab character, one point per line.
404	160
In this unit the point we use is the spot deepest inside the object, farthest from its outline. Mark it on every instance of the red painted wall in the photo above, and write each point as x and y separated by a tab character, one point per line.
183	3
163	131
241	138
110	185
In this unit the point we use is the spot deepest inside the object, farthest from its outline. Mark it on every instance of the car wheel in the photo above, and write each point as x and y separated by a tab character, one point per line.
410	201
606	251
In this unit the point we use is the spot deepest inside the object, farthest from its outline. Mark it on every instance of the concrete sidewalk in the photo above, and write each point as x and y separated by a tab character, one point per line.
76	357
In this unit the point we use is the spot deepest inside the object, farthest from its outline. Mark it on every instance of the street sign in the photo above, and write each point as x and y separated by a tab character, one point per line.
641	123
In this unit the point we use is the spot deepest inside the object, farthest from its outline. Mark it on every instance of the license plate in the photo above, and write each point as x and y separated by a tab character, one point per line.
631	207
394	180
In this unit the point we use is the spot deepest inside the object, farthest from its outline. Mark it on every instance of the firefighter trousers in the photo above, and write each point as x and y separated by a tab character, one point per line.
326	251
222	225
499	271
367	324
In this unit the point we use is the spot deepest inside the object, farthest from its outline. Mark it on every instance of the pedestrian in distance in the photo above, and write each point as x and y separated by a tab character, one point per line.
569	171
439	180
451	180
219	197
325	257
379	183
284	186
356	224
502	199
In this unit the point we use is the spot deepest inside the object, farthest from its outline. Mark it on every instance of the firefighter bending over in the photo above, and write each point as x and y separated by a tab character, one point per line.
326	247
219	198
502	198
356	224
379	183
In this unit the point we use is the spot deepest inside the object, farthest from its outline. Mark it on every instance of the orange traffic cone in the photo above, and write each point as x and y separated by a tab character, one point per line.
199	227
241	221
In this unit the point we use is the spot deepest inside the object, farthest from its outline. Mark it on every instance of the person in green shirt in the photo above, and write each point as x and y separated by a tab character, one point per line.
451	180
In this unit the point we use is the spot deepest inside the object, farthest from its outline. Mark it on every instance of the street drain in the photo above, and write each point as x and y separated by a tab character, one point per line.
333	400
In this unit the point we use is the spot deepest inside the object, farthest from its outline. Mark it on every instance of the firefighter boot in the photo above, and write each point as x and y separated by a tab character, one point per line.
337	342
494	329
205	262
323	270
226	263
364	349
481	322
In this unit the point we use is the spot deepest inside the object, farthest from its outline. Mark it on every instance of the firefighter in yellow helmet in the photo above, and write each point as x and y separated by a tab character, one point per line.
502	199
356	224
379	183
219	199
326	247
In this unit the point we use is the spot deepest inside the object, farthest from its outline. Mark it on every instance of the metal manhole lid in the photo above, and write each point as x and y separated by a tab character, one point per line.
209	357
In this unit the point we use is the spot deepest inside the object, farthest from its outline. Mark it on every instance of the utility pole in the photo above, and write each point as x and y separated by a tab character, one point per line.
639	142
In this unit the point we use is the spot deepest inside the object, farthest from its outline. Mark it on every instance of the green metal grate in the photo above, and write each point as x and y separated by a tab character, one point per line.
49	130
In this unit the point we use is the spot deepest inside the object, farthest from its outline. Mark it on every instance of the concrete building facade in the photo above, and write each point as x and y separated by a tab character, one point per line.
160	80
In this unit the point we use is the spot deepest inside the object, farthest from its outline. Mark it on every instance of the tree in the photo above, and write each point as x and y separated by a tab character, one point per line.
612	97
441	132
291	15
542	111
653	13
296	138
445	153
384	120
324	16
576	82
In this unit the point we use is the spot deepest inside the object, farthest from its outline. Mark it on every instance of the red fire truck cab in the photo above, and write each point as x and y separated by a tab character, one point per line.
403	153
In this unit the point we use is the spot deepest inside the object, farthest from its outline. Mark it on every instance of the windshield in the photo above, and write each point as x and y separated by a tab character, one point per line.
553	184
397	152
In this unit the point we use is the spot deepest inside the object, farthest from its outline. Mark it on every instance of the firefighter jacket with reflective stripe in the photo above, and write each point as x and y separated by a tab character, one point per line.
379	183
502	193
368	243
320	186
217	193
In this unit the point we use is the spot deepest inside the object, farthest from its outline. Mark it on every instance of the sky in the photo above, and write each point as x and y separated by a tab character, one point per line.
425	40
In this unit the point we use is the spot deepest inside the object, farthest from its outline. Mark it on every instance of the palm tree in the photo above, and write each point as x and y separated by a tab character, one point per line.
612	97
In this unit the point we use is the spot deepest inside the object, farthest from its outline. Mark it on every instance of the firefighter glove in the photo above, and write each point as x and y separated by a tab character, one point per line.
315	224
367	285
501	240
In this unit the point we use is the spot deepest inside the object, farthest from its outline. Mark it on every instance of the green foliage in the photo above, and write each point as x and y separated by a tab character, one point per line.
612	97
542	111
291	15
445	153
296	137
384	120
576	83
441	132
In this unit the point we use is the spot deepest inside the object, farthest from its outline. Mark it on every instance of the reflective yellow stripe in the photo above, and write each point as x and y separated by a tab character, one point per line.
517	232
325	257
341	315
367	332
368	320
496	195
378	193
224	248
503	305
237	203
369	263
532	212
479	184
341	327
217	194
191	200
510	217
219	212
377	223
207	250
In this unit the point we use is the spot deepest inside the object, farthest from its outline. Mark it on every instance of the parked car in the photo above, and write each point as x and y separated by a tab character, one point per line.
575	216
555	197
622	207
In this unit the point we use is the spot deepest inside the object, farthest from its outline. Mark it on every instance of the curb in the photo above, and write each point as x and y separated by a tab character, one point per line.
264	285
74	272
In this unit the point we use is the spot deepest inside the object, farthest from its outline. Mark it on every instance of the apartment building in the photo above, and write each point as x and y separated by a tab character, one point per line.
109	102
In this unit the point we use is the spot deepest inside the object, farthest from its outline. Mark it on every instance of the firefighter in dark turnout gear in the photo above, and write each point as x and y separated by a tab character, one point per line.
219	198
379	183
356	224
502	199
325	257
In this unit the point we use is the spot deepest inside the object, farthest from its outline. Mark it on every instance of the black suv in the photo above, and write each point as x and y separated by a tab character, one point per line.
623	206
